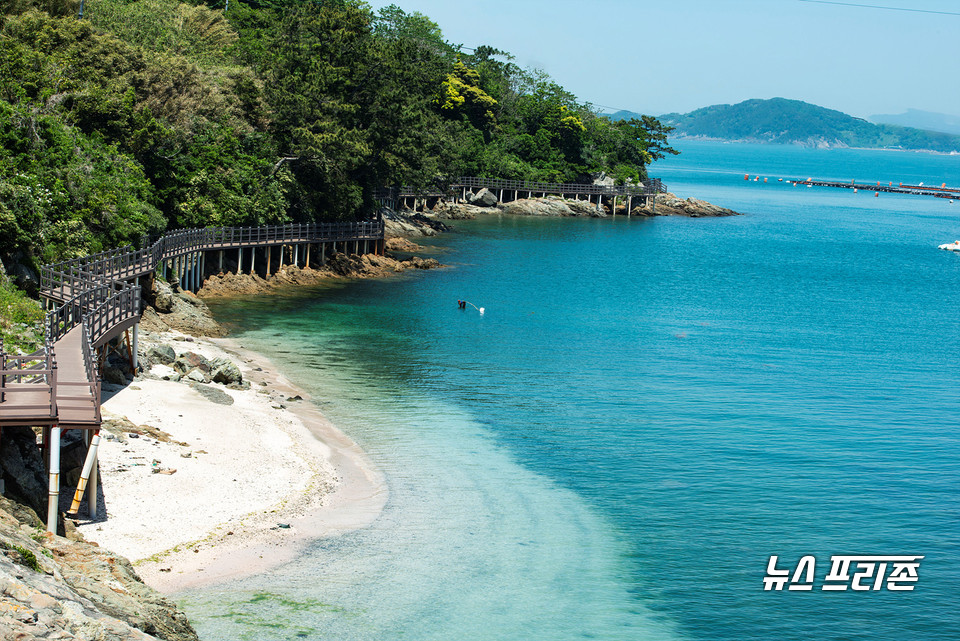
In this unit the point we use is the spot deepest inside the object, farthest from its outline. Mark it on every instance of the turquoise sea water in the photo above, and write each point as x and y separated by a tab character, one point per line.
647	410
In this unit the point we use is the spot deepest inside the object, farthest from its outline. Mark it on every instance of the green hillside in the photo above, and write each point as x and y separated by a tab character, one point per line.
146	115
783	121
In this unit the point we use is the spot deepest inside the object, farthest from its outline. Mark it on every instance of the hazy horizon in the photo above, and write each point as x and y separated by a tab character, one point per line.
658	58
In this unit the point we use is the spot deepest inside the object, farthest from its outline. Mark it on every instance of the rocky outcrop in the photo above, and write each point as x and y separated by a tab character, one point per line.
55	588
22	468
338	265
552	206
670	205
398	244
180	310
459	211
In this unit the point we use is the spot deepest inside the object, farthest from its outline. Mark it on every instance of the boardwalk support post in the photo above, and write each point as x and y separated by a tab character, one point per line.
53	499
136	342
88	465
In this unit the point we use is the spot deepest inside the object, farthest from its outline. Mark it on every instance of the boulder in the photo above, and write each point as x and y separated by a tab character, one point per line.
161	297
25	277
225	372
189	361
484	198
197	376
162	354
114	375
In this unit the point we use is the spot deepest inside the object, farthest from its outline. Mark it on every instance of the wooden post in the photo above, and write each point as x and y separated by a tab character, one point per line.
296	255
239	261
280	266
323	254
221	262
269	247
253	260
306	263
203	266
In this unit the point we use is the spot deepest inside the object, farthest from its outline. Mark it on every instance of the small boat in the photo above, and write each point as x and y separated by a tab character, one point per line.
954	246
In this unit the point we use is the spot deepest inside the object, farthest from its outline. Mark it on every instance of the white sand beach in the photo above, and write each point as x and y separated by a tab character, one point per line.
254	480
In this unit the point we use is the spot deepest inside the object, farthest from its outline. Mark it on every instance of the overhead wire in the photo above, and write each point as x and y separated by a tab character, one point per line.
877	6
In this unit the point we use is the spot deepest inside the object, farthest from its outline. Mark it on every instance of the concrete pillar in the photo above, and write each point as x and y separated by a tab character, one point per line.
253	260
136	340
53	498
203	266
280	266
220	270
268	260
239	261
306	263
323	254
296	255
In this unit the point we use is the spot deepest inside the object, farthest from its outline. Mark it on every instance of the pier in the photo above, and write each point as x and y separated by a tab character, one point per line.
900	188
96	299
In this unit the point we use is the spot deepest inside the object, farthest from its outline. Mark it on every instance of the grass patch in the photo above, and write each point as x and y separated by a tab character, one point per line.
21	320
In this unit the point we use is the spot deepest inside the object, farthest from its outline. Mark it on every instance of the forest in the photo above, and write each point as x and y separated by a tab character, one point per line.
123	118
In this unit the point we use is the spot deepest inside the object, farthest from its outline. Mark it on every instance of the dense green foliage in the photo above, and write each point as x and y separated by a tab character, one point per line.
791	121
21	319
150	114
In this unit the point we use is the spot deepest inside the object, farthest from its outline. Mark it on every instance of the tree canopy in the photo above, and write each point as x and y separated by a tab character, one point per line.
151	114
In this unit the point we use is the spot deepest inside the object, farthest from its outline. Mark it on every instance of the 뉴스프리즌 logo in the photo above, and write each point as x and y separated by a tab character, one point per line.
847	571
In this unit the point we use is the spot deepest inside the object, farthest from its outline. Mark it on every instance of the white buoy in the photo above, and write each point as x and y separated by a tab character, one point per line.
481	311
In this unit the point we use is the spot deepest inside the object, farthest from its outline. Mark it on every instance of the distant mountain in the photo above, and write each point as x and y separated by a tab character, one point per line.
784	121
623	114
928	120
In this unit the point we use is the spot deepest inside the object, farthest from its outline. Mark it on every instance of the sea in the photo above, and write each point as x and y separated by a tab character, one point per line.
644	413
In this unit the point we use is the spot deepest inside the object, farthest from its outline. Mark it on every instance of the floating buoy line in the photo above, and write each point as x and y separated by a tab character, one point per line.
462	304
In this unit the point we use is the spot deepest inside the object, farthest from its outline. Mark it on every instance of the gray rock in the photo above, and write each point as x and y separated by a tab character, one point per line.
225	372
197	376
22	468
114	375
55	588
162	354
213	394
552	206
484	198
162	297
191	360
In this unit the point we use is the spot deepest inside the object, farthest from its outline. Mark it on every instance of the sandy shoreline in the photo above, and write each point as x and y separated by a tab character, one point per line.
256	480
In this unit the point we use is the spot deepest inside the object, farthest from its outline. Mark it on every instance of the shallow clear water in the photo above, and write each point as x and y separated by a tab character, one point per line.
647	410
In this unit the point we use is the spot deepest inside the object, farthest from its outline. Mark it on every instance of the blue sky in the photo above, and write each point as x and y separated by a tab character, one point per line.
679	55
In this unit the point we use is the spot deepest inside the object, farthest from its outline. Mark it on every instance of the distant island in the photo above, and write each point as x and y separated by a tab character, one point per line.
783	121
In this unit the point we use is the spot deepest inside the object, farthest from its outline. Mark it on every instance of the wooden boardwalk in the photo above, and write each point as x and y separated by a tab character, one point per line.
96	298
517	189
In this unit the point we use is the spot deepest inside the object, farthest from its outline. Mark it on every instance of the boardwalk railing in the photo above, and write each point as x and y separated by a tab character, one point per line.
33	376
94	291
648	187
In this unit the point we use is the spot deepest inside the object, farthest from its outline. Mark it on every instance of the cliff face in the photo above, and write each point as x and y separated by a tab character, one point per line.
52	587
